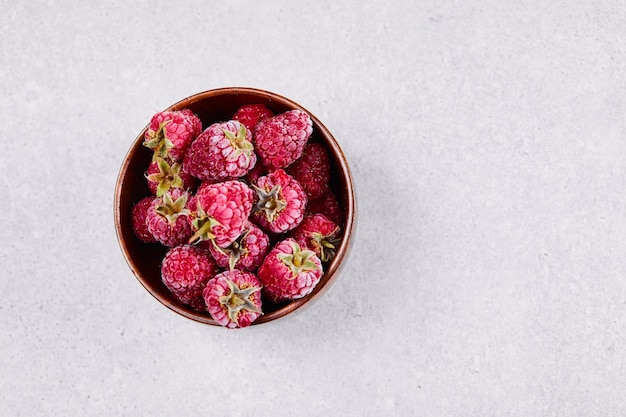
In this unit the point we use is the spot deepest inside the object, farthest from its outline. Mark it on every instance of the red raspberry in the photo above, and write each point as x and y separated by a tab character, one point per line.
168	218
255	173
138	220
288	273
220	212
280	202
319	234
171	132
327	205
194	119
162	175
280	140
245	253
250	115
233	298
223	150
312	170
185	270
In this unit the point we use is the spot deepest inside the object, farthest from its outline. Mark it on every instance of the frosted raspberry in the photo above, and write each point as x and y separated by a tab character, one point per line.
319	234
312	170
195	121
245	253
171	132
280	202
162	175
222	151
168	218
327	205
288	272
185	270
233	298
138	220
251	114
280	140
220	212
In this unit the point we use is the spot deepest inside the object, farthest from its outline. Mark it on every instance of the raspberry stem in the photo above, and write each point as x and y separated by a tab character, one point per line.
159	141
167	177
299	260
270	201
203	224
238	299
326	246
171	209
239	142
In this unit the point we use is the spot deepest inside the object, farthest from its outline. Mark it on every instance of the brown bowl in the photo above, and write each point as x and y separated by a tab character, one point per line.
214	106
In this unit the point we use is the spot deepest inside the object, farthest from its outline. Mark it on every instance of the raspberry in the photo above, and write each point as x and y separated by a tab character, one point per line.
138	220
245	253
280	202
220	212
327	205
233	298
196	123
312	170
222	151
168	218
280	140
171	132
250	115
185	270
318	234
255	173
288	272
163	175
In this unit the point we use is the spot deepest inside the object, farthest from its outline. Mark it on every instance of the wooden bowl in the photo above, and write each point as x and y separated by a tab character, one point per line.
214	106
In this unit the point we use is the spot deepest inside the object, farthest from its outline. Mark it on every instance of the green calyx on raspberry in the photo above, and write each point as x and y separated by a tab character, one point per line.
159	142
239	142
235	250
299	260
326	244
238	299
203	225
269	202
171	209
167	177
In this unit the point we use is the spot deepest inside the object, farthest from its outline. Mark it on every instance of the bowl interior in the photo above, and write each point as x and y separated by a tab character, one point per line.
215	106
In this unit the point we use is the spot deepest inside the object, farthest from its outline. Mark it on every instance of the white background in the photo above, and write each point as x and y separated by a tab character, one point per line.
486	141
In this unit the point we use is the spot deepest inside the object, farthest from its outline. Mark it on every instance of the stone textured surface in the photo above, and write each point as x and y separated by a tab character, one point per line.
487	142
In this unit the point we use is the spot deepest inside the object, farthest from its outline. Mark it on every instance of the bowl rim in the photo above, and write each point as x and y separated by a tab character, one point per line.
341	165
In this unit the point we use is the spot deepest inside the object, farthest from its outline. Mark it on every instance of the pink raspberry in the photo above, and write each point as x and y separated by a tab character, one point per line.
233	298
171	132
222	151
220	212
288	272
319	234
194	119
245	253
185	270
251	114
328	205
280	202
168	218
163	175
138	217
280	140
312	170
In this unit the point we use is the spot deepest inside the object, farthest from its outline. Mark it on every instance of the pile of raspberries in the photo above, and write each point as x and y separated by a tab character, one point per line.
244	207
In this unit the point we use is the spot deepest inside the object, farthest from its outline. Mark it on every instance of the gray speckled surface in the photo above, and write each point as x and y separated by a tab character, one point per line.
487	145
